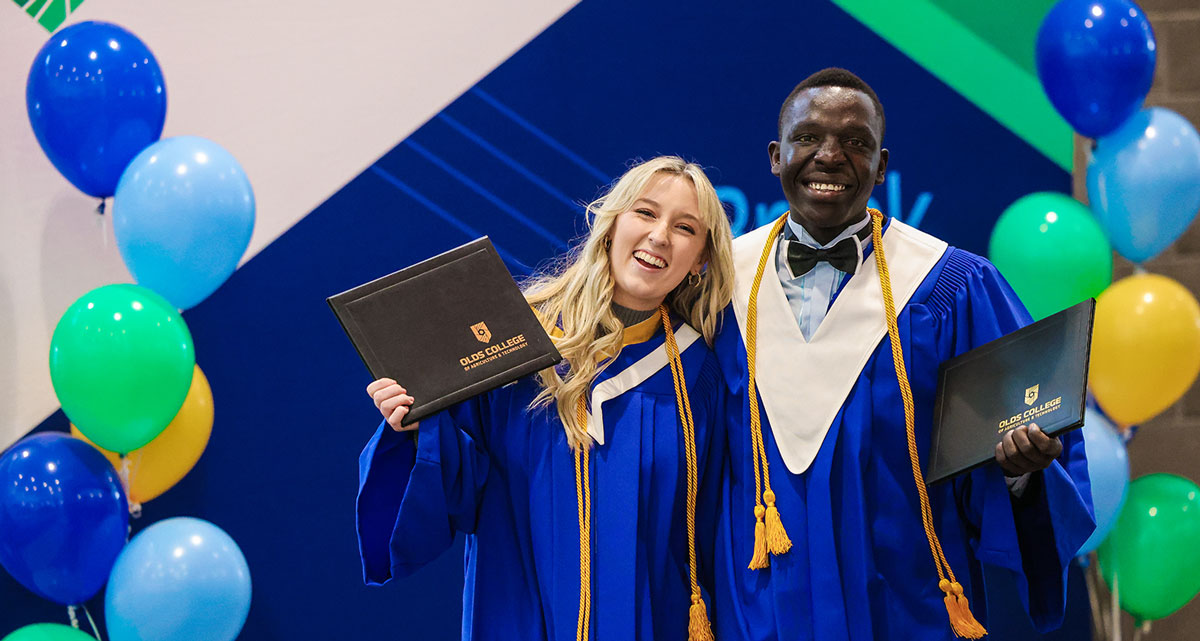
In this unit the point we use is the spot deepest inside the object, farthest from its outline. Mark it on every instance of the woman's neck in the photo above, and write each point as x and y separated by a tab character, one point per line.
629	316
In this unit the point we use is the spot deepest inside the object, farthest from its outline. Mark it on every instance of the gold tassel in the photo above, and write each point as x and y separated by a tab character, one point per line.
962	621
759	560
976	627
777	538
699	629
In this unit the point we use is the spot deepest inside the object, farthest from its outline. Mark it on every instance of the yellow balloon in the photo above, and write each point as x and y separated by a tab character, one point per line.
158	465
1145	347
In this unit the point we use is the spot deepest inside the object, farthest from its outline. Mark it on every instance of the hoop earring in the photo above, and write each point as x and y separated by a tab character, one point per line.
694	279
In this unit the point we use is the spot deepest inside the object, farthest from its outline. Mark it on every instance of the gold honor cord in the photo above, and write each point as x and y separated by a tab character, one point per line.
962	621
769	535
699	628
583	498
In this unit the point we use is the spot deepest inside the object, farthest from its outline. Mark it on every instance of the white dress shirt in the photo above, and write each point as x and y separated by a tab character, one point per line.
810	295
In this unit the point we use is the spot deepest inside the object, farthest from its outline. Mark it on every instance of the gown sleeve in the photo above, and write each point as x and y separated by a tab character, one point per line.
1035	535
414	494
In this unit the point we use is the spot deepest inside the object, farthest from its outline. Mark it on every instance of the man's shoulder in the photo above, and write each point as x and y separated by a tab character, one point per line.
962	276
964	264
955	261
752	241
913	235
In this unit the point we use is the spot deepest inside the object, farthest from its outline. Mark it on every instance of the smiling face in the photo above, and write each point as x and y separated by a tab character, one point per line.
656	243
829	158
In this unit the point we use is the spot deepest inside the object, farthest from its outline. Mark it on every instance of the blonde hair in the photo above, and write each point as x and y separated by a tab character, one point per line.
575	294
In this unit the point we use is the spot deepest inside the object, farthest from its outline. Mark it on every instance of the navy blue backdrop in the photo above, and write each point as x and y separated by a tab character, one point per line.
513	157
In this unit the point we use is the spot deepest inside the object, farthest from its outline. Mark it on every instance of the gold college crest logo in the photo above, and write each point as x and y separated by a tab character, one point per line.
1031	395
483	335
1034	411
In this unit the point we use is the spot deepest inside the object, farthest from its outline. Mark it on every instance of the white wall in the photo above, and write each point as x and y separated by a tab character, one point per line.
305	94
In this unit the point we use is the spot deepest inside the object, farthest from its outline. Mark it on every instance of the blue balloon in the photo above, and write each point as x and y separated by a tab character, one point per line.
181	578
1095	59
183	215
1108	471
63	516
96	98
1144	182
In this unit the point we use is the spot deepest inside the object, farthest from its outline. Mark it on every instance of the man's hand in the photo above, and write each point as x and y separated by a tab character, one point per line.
1026	449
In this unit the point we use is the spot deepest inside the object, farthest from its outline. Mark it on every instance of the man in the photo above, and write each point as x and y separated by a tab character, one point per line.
825	533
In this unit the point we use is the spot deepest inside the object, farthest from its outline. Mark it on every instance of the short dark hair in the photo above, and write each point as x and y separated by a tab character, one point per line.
835	77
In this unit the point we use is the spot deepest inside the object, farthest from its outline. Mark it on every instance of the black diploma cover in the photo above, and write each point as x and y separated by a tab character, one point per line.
448	328
1037	374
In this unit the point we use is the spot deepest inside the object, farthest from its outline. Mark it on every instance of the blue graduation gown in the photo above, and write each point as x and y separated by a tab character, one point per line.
505	476
860	567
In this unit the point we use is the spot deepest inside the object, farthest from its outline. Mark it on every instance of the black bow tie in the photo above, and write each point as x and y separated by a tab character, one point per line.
801	258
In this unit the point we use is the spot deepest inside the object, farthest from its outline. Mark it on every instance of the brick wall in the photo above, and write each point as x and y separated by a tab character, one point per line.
1170	442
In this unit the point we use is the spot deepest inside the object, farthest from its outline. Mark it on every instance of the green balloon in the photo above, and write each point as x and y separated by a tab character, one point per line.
48	632
121	360
1052	251
1154	549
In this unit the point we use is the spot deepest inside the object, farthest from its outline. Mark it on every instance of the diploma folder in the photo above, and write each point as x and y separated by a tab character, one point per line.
448	328
1037	374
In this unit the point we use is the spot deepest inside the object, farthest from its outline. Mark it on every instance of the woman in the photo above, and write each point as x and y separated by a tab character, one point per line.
577	487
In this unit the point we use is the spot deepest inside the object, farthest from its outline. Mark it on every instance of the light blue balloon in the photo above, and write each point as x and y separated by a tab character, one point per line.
179	579
1108	469
1144	182
183	214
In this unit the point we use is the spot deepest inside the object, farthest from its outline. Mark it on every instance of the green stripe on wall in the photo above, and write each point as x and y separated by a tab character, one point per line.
49	13
1011	28
983	74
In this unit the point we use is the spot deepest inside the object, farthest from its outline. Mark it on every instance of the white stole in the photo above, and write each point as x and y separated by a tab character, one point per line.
632	376
803	384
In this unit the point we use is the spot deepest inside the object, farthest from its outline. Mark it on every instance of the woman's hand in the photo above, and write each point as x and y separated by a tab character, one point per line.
393	402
